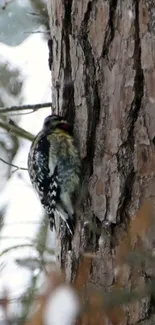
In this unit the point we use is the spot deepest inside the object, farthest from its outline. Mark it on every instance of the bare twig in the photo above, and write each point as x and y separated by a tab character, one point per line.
32	245
32	13
34	107
19	114
10	126
37	32
14	247
12	165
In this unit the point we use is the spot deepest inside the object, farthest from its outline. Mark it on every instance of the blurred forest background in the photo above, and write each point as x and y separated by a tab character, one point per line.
25	248
125	267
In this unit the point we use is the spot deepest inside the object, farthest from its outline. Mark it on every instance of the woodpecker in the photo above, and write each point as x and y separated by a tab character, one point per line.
54	168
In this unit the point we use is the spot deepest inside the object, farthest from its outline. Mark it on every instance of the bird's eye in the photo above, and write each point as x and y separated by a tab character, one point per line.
47	123
51	121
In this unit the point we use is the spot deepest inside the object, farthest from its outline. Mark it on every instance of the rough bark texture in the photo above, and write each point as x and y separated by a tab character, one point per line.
103	79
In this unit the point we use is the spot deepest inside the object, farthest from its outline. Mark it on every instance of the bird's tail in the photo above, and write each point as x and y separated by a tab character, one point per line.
52	221
69	220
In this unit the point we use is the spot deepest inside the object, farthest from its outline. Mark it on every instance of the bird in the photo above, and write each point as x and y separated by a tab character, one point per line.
54	167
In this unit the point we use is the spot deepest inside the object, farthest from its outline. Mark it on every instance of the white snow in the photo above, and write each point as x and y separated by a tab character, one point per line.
62	307
24	212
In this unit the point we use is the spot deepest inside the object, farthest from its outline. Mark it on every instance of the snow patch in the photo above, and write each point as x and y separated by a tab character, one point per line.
62	307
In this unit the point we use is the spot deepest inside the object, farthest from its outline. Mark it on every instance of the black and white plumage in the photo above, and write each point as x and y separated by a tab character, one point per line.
54	167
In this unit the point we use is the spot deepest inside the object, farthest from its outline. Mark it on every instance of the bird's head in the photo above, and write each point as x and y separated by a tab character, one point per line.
53	122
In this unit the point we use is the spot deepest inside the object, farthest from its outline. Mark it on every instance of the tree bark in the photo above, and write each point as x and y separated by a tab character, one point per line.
104	81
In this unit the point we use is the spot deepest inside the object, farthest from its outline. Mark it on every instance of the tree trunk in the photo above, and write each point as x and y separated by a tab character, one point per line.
104	81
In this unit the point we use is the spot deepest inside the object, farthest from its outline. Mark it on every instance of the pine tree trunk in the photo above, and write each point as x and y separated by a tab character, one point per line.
104	81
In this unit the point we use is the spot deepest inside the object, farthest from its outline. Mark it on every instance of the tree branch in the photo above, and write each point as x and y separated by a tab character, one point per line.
34	107
37	32
10	126
12	165
14	247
